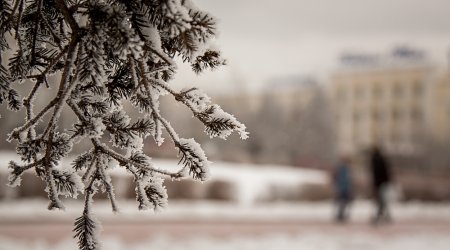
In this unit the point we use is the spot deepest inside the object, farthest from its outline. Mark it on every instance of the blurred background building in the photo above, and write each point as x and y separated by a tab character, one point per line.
386	100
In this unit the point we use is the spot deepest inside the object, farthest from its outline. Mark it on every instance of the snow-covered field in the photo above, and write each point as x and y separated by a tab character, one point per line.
361	211
306	226
308	241
299	225
251	181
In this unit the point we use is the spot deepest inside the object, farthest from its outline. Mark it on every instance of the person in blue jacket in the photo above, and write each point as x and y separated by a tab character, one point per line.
343	187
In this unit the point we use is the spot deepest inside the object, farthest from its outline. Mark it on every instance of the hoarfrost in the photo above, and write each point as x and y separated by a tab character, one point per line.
194	158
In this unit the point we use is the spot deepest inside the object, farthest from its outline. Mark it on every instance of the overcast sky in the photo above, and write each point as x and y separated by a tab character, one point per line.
263	39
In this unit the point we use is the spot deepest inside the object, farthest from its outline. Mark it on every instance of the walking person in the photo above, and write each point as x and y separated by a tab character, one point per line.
343	187
381	178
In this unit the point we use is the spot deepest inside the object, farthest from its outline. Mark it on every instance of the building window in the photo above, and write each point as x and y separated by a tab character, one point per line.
376	115
377	91
341	95
338	118
396	114
418	89
448	112
416	115
398	90
356	116
394	137
359	92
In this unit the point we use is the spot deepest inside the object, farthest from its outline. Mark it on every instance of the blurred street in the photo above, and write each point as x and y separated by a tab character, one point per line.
138	231
176	233
196	226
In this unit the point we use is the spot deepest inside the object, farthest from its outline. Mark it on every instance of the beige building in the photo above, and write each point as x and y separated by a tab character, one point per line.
440	115
286	94
290	93
393	101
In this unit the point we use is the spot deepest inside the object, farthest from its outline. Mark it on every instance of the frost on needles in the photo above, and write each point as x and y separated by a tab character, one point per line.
105	52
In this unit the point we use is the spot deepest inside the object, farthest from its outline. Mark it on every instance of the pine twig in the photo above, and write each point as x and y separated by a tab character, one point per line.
35	33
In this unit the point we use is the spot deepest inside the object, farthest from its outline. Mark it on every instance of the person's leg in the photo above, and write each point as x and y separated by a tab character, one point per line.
340	210
385	214
346	203
379	205
342	207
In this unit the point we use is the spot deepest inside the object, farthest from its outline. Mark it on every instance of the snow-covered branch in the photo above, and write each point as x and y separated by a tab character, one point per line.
106	53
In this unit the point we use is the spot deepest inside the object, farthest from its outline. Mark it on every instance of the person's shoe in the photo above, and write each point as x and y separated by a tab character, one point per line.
375	221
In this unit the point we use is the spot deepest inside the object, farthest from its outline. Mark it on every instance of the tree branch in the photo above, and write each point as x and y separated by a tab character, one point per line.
15	133
13	12
52	32
68	17
54	61
108	187
120	158
65	86
35	32
161	55
155	112
176	95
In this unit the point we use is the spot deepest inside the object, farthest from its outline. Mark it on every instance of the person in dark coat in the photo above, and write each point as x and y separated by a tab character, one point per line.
381	177
343	187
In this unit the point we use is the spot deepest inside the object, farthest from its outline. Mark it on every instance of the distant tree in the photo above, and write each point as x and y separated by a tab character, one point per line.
105	51
304	134
313	124
269	144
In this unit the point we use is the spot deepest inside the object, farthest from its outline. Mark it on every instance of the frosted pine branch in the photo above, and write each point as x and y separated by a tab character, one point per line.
106	53
193	158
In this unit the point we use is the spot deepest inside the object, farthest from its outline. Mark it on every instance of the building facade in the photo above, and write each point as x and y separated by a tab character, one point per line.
440	108
389	101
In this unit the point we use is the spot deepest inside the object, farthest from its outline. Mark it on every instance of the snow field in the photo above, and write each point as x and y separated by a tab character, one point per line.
308	241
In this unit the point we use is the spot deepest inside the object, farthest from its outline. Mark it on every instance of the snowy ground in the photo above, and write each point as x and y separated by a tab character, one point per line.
244	224
251	181
217	226
311	240
268	242
305	211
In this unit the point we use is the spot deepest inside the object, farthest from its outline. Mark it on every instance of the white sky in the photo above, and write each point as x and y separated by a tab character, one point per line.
262	39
